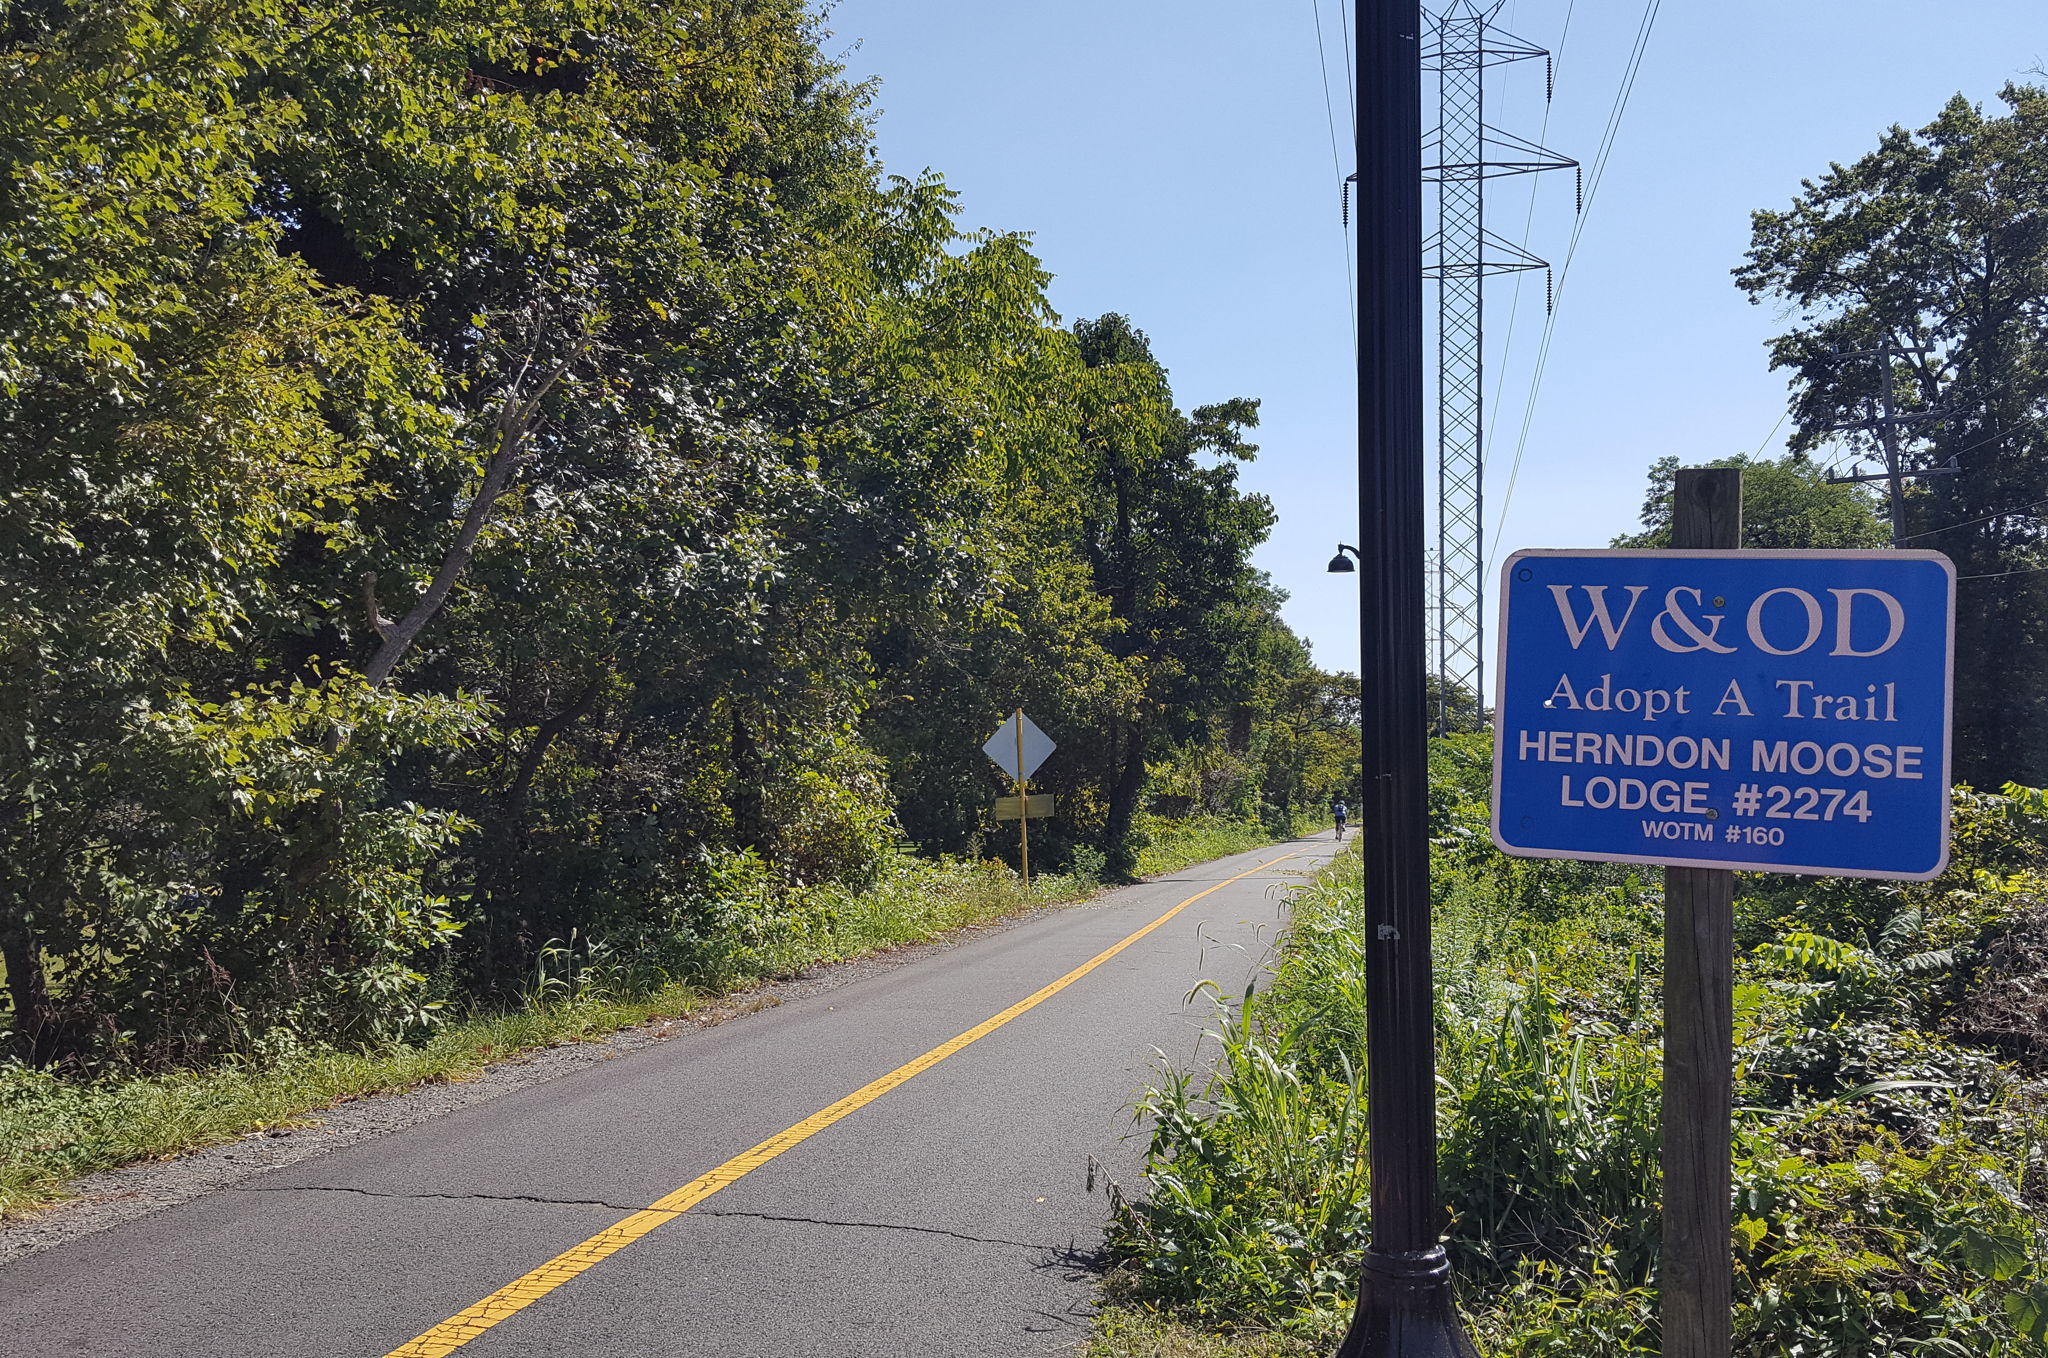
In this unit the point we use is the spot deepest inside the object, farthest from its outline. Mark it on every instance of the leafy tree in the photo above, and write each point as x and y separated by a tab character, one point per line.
1168	539
481	473
1935	246
1305	735
1461	714
170	398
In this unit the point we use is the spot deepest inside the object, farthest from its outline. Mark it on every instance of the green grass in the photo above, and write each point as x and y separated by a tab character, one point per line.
54	1129
1170	845
1892	1180
1122	1332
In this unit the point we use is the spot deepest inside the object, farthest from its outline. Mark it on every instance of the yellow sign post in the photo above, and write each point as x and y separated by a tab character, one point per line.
1018	748
1023	821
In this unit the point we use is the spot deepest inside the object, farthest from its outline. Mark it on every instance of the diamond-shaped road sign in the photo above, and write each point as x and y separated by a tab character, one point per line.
1003	747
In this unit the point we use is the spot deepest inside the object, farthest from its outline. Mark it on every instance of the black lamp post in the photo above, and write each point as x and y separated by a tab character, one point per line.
1340	564
1405	1305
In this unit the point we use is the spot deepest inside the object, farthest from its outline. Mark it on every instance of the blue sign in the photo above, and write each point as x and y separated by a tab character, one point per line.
1776	711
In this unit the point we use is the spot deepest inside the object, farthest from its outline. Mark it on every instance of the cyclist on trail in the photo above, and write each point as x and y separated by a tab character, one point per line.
1338	813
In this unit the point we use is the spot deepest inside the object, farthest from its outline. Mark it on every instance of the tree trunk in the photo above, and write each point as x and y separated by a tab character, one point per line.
744	798
27	987
515	424
1123	804
1240	738
546	734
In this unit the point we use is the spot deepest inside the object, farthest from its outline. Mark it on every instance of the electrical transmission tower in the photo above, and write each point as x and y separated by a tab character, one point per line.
1467	152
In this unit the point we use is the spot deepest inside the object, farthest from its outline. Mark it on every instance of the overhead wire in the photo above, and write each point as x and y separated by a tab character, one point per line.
1981	518
1631	71
1970	447
2027	508
1336	159
1507	347
2000	575
1786	415
1350	90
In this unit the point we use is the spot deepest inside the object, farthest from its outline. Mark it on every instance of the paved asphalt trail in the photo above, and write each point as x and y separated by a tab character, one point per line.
950	1217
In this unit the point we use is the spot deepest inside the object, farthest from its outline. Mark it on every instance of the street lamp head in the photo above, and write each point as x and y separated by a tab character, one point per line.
1340	564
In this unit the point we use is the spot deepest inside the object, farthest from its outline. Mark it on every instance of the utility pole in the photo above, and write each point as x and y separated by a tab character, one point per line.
1405	1304
1886	424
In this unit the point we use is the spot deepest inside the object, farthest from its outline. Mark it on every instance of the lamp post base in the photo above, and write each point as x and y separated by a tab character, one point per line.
1406	1310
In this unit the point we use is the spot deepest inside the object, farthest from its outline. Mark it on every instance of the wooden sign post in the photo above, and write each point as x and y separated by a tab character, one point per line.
1699	1023
1653	708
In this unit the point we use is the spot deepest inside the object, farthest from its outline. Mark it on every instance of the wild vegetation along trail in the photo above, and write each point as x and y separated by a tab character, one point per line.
948	1215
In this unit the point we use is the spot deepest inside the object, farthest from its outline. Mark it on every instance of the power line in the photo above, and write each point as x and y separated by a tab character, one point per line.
1350	90
2000	575
1620	106
1884	423
1594	180
1966	448
1529	221
1336	161
1982	518
1774	432
1965	523
1323	62
1948	470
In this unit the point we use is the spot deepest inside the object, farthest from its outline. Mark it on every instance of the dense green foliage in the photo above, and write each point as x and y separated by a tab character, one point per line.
476	474
1891	1151
55	1126
1937	243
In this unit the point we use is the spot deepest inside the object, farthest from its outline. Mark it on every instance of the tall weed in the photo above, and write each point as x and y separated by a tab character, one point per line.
1892	1191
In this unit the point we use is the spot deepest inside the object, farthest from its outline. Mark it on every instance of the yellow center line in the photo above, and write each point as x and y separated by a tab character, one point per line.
522	1292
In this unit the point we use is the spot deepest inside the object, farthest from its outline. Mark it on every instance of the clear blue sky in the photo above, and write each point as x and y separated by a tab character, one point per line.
1172	160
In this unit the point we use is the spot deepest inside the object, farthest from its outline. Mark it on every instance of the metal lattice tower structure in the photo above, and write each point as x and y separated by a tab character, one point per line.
1459	158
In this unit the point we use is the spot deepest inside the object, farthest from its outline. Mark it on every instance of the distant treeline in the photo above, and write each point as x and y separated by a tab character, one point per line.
470	472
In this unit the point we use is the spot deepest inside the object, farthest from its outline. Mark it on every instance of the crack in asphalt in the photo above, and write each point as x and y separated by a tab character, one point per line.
884	1226
451	1197
620	1207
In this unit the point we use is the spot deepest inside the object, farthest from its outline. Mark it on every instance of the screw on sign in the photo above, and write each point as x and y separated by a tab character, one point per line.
1019	747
